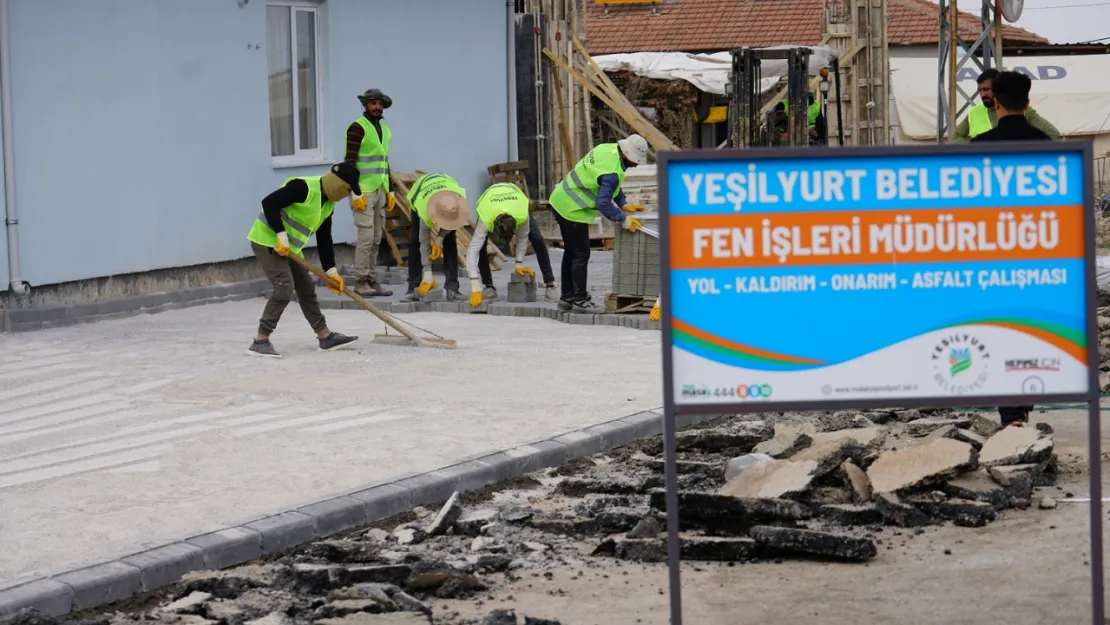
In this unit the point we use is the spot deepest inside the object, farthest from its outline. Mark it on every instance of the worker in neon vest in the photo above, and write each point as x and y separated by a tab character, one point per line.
290	216
502	214
982	117
368	141
437	201
593	187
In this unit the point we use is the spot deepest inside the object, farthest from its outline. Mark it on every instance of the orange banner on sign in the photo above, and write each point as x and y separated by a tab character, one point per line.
876	237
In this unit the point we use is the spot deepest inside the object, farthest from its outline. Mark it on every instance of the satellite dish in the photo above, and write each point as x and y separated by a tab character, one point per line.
1011	9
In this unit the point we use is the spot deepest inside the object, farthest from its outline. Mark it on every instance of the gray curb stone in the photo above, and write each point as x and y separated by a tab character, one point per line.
142	572
28	319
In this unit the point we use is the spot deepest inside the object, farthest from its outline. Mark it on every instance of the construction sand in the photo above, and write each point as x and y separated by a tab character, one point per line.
122	435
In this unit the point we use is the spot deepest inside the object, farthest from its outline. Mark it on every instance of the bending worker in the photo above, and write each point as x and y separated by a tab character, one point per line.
368	140
592	187
502	213
531	232
439	202
290	216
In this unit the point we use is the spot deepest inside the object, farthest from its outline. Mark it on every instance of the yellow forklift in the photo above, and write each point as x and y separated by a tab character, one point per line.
788	123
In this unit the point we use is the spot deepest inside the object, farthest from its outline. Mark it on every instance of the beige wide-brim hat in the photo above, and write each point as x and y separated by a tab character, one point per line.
448	210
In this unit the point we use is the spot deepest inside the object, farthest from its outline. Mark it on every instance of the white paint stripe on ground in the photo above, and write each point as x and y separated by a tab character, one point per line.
36	364
85	466
52	383
39	430
252	410
46	352
49	403
18	375
351	423
320	418
42	459
64	412
150	386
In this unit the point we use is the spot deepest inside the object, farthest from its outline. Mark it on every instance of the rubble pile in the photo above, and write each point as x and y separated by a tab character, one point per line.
752	488
1103	320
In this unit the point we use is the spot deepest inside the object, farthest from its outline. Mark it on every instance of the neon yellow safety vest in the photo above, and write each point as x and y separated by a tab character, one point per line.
978	120
576	197
301	220
373	156
503	197
425	187
814	111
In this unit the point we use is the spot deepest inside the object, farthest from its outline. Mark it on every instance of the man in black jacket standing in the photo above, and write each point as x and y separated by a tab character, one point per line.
1011	98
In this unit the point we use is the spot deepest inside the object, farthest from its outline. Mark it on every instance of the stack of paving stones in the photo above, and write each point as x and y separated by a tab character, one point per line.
815	486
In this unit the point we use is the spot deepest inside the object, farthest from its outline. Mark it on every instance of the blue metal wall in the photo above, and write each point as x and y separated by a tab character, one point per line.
142	126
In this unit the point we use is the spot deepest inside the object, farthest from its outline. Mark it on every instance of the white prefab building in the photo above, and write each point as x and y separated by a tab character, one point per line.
143	134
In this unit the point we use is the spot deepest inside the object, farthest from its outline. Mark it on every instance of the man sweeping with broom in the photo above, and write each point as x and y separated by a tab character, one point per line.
289	217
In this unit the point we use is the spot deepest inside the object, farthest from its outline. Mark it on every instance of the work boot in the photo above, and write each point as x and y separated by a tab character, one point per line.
453	296
363	288
489	294
586	306
263	348
336	339
549	293
378	287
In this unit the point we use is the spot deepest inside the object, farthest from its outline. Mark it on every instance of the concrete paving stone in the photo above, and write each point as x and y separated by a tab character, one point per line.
580	443
165	565
335	515
613	433
580	319
448	307
103	583
518	460
282	531
500	309
428	488
645	424
228	547
472	475
403	307
384	501
48	596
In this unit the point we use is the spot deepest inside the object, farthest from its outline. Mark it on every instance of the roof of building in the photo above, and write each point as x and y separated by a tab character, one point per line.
715	25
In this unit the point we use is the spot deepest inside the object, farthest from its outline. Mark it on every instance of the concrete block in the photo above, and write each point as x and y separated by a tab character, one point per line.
165	565
548	453
522	291
435	295
501	309
403	307
448	307
422	307
472	475
530	311
515	278
104	583
335	515
644	424
580	319
48	596
285	530
481	309
428	488
228	547
580	443
384	501
613	433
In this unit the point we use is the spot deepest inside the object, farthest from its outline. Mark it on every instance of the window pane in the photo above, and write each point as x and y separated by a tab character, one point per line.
279	58
306	79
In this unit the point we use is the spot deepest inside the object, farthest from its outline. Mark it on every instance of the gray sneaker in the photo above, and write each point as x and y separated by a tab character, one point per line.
263	348
336	339
550	294
586	306
565	305
453	296
489	294
411	296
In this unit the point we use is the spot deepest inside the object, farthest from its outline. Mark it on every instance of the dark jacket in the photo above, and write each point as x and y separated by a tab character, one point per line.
1013	128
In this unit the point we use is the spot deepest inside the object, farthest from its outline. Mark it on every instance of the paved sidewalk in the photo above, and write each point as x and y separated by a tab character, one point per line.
122	435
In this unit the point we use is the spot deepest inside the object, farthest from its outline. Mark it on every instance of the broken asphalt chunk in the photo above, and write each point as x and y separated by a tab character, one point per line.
918	465
772	479
895	511
446	517
1015	446
962	512
815	543
851	514
706	549
734	515
578	487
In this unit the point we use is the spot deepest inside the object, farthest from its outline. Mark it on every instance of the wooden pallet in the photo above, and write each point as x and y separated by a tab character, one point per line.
618	303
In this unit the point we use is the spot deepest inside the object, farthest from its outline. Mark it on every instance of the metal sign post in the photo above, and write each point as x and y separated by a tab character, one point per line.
941	273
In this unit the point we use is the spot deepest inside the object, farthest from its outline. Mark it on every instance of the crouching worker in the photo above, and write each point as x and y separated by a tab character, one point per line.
289	217
438	201
502	214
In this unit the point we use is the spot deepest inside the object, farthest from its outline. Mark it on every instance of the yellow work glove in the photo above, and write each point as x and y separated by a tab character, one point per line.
336	284
656	311
358	202
282	245
390	201
633	208
424	287
521	270
631	224
475	293
436	252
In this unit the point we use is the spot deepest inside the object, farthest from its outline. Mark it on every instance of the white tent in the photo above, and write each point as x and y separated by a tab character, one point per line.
1069	91
707	72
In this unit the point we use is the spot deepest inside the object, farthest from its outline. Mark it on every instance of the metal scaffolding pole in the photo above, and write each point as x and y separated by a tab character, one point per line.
954	53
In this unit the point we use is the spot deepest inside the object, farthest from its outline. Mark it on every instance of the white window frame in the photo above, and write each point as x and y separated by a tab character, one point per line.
302	158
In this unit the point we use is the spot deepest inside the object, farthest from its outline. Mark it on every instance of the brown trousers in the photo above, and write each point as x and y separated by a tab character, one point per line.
287	278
